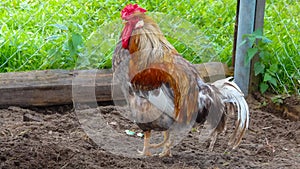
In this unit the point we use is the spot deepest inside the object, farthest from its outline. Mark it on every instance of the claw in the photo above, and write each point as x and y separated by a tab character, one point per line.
145	152
165	154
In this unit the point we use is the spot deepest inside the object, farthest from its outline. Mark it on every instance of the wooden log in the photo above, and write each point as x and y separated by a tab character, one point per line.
57	87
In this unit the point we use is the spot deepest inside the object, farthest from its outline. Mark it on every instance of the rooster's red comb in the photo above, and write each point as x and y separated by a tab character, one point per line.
130	9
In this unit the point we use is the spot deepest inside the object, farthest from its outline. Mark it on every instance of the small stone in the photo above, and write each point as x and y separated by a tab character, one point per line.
29	117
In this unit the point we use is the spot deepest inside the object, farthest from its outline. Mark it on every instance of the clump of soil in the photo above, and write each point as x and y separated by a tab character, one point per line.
287	107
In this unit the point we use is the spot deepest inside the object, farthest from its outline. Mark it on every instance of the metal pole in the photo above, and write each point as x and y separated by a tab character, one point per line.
259	23
245	26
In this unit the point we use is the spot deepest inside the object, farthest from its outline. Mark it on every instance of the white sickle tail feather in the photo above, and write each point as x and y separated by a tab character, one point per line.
232	101
232	94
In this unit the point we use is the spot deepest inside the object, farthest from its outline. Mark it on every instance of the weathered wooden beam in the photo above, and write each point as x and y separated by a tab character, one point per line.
54	87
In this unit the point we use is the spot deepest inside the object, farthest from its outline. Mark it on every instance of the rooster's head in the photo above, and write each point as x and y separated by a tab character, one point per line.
132	22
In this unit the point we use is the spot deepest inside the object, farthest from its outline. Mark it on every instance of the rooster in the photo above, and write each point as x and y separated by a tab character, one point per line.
165	91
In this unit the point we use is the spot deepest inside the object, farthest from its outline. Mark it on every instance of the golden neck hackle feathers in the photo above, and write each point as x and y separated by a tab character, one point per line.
149	38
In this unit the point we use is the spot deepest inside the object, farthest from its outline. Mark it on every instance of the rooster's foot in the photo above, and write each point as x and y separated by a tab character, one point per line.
167	149
166	153
144	153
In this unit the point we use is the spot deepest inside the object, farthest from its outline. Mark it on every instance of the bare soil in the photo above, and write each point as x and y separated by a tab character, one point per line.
52	137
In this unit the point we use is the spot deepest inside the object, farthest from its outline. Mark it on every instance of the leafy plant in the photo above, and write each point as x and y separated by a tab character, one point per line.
262	67
66	44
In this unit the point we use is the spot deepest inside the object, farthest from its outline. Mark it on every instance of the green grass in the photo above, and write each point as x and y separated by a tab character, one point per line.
50	35
65	34
282	27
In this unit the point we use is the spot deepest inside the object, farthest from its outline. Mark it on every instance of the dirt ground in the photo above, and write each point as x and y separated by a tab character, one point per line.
52	137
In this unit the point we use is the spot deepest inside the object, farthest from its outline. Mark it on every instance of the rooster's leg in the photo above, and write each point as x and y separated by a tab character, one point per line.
146	151
167	145
166	136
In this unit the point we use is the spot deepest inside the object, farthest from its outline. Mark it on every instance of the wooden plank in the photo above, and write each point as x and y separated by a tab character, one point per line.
56	87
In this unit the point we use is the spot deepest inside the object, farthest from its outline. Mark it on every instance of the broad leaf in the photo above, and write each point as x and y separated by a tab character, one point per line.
273	81
258	32
259	68
267	77
250	54
270	79
76	40
263	87
71	48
